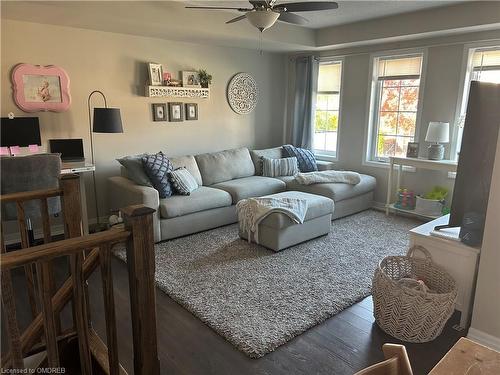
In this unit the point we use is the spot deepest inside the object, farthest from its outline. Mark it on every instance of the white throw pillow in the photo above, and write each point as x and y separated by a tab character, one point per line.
279	167
182	181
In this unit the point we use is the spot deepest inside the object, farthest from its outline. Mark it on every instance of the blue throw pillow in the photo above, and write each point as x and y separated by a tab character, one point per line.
305	158
157	167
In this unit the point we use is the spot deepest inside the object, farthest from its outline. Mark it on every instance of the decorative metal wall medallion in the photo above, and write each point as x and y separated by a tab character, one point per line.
242	93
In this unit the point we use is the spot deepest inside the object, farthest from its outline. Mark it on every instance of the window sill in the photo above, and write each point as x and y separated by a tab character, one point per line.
326	157
385	165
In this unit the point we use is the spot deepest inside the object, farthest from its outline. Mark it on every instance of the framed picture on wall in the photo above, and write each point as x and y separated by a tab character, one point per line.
175	112
159	112
41	88
155	74
412	151
191	111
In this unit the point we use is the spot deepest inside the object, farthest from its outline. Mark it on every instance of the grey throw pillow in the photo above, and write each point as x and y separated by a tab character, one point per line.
279	167
157	167
135	169
182	181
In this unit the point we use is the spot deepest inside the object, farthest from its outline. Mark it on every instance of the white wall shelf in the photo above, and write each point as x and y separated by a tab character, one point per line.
177	92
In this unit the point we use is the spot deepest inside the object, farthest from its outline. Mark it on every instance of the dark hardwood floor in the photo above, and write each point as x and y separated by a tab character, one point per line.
342	344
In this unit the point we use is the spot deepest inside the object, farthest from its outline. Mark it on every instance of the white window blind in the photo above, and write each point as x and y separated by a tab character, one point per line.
399	67
329	78
486	59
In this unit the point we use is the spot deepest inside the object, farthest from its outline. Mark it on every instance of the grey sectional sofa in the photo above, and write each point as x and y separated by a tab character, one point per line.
226	177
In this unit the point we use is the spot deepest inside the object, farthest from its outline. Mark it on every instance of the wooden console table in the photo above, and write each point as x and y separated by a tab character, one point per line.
468	357
437	165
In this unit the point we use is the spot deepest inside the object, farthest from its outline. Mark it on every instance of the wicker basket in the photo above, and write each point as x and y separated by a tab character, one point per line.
408	314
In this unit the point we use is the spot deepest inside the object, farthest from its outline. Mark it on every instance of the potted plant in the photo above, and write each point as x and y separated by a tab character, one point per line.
205	78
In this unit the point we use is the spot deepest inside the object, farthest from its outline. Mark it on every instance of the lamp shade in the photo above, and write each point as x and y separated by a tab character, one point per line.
262	19
438	132
107	120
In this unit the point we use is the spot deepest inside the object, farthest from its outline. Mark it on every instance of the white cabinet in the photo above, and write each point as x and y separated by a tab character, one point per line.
459	260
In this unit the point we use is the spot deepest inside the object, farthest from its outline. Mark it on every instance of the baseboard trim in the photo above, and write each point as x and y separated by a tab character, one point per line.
484	338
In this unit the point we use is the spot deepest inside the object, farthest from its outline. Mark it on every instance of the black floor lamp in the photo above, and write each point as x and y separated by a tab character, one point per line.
106	120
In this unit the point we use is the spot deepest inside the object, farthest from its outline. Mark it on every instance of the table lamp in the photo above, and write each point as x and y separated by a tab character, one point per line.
437	133
106	120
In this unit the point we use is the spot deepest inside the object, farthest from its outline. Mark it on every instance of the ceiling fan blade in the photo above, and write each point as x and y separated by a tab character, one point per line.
237	19
307	6
220	8
292	18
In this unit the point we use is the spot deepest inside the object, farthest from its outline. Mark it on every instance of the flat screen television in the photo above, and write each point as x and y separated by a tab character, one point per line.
19	131
475	163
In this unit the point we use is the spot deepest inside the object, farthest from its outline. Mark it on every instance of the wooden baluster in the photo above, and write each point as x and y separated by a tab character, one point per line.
9	308
43	271
81	313
47	237
109	308
141	270
28	269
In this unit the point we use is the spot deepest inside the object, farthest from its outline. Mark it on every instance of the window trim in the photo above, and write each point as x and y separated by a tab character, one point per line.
369	141
323	154
463	91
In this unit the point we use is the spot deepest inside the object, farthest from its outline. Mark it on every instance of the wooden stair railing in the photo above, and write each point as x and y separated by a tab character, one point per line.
85	253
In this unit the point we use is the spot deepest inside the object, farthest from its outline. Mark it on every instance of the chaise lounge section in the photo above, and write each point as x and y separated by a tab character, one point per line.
224	178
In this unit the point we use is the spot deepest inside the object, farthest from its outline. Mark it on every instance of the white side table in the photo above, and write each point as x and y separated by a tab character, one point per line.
459	260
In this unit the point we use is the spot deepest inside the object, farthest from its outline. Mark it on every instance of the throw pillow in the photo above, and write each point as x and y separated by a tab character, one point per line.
182	181
135	170
279	167
157	167
305	158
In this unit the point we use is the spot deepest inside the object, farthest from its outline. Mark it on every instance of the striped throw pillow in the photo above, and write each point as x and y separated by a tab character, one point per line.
279	167
182	181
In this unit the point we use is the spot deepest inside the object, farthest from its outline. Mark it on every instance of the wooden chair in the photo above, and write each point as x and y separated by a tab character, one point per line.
396	362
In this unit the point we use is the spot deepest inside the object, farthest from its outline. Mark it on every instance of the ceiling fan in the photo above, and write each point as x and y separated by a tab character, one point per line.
265	13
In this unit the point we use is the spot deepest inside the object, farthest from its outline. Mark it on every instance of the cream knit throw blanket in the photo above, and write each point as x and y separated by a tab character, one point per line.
253	210
321	177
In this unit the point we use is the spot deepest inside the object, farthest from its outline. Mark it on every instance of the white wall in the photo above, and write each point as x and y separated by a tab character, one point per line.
443	77
116	64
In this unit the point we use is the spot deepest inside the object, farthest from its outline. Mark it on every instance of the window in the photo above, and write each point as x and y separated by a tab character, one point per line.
326	121
483	65
395	105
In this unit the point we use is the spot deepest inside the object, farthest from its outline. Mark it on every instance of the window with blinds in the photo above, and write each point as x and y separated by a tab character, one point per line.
396	99
486	65
327	116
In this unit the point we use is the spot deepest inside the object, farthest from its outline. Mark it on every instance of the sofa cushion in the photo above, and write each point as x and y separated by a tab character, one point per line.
157	167
336	191
189	163
279	167
225	165
270	153
182	181
316	206
248	187
305	158
134	170
201	199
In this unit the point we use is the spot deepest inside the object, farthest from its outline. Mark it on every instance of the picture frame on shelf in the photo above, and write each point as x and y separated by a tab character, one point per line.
159	112
191	111
175	112
155	74
412	150
190	79
41	88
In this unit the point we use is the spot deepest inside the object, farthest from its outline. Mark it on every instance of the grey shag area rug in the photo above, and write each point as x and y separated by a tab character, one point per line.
258	299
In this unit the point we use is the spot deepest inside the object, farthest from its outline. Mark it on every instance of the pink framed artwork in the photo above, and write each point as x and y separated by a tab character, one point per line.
41	88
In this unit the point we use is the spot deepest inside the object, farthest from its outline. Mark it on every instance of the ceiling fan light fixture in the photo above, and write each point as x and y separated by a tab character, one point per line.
262	19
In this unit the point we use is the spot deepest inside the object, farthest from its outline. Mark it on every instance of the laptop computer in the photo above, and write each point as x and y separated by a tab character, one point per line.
71	150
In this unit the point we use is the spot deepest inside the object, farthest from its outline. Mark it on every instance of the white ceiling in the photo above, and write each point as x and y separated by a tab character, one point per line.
347	12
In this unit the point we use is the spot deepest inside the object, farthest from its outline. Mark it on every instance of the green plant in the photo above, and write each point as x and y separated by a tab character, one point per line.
205	78
438	193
